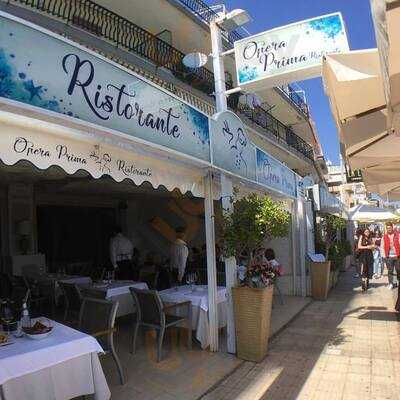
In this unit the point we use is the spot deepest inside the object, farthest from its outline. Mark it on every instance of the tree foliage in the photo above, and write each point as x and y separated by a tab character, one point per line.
330	225
255	220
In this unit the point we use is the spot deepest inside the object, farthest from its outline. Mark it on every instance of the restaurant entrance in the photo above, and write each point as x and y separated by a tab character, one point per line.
76	236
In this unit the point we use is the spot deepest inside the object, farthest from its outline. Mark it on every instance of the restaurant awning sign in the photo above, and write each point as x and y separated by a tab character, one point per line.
44	70
290	53
272	173
231	147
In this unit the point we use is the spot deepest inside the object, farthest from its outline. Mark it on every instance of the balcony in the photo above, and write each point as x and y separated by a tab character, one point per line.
206	14
103	23
290	93
281	132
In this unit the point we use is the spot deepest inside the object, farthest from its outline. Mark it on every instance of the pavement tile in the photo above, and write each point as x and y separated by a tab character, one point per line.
341	349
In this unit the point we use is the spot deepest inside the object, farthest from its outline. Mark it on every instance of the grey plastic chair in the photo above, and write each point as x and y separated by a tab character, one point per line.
73	298
151	313
97	318
93	293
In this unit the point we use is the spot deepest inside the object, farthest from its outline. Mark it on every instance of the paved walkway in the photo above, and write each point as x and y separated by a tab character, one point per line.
346	348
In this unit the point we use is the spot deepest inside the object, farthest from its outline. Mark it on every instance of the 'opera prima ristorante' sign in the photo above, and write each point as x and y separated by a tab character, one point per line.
289	53
43	70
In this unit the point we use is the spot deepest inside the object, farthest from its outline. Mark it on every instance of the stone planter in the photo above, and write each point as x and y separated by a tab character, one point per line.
252	307
320	279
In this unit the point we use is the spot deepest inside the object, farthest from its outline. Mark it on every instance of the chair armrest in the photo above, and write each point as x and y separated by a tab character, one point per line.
177	305
103	333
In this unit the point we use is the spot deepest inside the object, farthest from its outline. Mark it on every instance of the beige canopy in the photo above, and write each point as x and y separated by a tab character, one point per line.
386	17
353	83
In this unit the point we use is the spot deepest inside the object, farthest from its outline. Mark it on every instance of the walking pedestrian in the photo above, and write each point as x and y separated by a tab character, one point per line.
357	253
397	306
377	254
390	249
366	258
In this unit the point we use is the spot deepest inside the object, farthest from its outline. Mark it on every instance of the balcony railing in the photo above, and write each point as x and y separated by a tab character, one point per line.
292	95
281	132
204	12
100	21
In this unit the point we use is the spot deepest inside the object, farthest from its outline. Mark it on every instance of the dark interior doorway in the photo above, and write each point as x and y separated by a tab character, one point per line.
71	234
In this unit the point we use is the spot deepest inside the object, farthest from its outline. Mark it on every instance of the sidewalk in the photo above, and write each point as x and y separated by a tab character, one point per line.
346	348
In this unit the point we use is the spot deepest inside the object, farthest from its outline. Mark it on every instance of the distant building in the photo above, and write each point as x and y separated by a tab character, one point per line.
350	193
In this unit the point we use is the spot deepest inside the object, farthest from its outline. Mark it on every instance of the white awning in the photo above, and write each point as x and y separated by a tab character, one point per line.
45	144
353	83
386	17
367	213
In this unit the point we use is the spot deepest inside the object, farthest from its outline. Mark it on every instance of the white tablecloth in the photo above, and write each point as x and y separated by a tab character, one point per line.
118	291
199	299
61	366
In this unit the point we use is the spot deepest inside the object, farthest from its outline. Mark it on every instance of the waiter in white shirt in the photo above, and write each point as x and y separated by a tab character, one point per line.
121	251
179	255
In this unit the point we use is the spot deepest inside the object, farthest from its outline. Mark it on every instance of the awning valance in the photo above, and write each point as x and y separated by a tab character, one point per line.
45	144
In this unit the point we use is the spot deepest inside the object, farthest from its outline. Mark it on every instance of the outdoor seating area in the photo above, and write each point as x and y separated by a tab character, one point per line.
134	325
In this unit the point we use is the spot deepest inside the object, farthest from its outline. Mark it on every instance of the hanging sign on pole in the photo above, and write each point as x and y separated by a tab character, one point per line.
290	53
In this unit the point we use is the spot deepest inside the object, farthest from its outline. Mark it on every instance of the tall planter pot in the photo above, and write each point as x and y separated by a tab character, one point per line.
252	320
320	279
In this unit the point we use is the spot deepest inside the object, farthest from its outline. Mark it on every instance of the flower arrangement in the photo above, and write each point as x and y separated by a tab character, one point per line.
260	273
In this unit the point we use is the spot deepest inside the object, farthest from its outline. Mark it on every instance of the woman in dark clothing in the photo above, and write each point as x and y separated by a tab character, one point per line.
397	306
366	247
357	236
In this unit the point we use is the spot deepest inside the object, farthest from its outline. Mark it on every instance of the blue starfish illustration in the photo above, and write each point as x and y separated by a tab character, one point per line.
33	90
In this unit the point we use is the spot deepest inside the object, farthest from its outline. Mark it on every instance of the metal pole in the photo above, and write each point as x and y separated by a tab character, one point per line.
226	182
211	262
218	66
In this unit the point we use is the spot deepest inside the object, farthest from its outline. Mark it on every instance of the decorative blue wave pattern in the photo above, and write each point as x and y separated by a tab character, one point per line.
17	85
331	26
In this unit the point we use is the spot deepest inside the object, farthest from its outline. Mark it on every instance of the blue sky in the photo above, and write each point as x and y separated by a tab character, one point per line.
268	14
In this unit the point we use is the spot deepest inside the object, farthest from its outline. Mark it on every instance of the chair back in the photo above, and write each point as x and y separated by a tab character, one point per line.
93	293
97	315
72	295
149	306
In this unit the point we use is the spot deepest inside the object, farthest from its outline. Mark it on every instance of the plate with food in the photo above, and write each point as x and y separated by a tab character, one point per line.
39	330
5	340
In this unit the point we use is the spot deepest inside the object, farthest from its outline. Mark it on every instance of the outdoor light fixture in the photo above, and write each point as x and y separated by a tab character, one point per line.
234	19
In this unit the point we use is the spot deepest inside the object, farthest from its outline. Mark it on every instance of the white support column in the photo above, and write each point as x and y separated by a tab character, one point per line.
295	235
211	262
302	244
230	267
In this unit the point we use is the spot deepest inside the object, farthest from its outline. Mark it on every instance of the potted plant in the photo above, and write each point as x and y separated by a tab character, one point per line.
253	222
325	274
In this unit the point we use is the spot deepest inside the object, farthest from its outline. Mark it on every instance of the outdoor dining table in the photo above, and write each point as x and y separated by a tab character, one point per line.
118	291
198	295
61	366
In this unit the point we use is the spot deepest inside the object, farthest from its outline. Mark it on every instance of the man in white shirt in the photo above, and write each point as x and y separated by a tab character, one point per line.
121	251
179	255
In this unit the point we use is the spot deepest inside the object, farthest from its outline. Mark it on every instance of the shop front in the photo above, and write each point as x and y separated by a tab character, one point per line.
88	145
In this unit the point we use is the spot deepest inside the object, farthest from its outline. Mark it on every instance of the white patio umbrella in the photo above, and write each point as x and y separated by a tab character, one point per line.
354	85
386	17
367	213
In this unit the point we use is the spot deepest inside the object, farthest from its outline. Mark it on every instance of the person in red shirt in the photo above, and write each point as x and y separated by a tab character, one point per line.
390	250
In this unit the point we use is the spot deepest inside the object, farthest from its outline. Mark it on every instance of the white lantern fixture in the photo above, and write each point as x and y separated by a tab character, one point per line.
195	60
